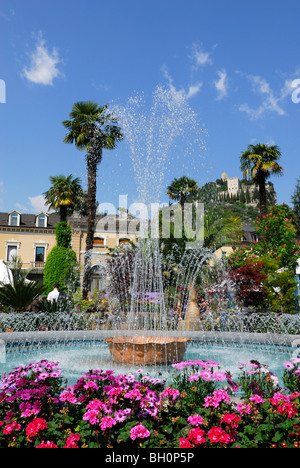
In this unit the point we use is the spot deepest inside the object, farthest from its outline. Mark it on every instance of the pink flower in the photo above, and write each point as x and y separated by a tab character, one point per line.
91	385
257	399
71	441
185	443
134	394
47	444
14	426
69	396
107	422
219	376
206	374
171	393
139	432
195	420
194	377
288	365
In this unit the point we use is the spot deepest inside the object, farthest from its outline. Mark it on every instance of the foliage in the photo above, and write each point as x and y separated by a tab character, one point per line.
97	301
182	190
276	251
61	267
296	206
65	195
249	284
20	295
91	128
63	234
131	411
258	163
277	236
291	375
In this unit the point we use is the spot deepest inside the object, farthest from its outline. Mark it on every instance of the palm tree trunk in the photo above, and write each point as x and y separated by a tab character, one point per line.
91	217
262	196
63	212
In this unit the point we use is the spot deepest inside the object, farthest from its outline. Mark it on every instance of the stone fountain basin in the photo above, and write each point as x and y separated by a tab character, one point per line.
146	350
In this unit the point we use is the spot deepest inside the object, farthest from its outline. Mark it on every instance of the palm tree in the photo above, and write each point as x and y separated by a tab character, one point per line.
258	163
65	195
182	190
91	128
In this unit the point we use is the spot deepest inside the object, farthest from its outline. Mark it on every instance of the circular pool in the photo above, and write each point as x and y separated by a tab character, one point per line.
77	356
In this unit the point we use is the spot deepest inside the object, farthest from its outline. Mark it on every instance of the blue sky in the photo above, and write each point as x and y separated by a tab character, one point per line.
233	62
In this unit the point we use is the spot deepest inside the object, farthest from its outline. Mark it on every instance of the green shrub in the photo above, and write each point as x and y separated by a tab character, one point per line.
63	234
21	295
61	267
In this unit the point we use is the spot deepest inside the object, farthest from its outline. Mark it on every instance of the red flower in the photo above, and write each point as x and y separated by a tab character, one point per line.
217	435
35	426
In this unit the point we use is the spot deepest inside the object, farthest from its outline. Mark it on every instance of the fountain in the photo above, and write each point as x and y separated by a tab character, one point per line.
151	136
154	318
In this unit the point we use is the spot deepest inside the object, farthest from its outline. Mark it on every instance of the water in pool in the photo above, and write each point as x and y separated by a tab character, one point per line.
76	358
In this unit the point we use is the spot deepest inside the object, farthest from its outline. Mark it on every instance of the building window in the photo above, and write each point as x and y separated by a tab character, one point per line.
11	253
99	242
41	221
14	219
40	255
98	278
124	241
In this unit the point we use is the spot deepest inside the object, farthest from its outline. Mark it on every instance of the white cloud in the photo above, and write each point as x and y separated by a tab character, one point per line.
43	64
221	84
194	89
200	57
181	93
270	102
38	204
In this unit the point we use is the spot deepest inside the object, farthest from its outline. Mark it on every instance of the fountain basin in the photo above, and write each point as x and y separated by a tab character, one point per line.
146	350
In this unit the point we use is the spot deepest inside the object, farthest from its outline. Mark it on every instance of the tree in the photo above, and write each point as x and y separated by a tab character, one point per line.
296	205
65	195
91	128
258	163
277	236
61	265
182	190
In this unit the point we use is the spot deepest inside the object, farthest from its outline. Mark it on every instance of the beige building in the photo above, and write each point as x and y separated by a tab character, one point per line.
31	237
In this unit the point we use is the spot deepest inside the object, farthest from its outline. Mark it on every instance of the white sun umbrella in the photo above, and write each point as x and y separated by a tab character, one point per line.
6	276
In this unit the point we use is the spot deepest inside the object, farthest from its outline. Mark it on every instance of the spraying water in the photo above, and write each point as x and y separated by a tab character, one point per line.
152	286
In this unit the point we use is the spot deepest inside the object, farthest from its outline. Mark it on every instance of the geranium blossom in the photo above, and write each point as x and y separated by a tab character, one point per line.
95	412
14	426
218	435
195	420
33	428
47	445
139	432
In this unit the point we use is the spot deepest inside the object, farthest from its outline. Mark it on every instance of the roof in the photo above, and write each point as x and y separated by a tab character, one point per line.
28	220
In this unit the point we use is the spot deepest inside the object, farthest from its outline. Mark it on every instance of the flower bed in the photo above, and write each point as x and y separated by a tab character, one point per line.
130	411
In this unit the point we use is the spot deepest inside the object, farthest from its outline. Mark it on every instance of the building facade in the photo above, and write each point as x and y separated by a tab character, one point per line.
31	237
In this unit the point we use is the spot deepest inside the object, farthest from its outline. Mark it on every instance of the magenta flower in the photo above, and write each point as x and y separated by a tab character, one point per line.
139	432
